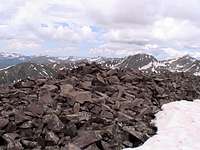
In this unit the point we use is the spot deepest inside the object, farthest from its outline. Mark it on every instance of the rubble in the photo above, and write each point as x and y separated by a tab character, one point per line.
89	108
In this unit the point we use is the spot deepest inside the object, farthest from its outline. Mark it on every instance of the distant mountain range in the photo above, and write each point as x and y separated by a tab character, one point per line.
14	67
25	70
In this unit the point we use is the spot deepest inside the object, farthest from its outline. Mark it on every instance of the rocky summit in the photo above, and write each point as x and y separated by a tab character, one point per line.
88	108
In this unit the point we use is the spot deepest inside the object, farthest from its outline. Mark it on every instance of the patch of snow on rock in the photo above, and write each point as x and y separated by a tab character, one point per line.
147	66
197	73
188	69
153	64
10	55
6	67
172	60
178	128
159	64
52	61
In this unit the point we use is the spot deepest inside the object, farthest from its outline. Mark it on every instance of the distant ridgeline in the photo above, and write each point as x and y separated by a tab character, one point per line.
14	67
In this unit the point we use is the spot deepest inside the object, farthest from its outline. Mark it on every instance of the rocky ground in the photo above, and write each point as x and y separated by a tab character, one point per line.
88	108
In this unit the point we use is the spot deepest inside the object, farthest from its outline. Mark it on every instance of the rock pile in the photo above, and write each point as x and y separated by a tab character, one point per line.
88	108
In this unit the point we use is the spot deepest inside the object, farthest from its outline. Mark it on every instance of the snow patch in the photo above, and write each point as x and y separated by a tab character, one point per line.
149	65
52	61
54	66
153	64
197	73
172	60
10	55
44	71
178	128
6	67
179	66
188	69
95	59
35	68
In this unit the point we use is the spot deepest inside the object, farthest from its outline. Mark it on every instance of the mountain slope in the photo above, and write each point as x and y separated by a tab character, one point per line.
25	70
181	64
10	59
144	62
137	61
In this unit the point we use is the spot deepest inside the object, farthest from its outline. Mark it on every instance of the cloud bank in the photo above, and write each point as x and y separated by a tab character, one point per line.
116	28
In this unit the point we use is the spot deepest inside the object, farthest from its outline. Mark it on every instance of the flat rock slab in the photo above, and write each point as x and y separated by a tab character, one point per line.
86	139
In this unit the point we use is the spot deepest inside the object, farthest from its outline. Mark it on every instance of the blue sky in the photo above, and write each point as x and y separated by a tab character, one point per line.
112	28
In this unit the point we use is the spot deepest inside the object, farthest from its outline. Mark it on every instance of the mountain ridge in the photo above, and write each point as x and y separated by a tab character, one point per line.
10	65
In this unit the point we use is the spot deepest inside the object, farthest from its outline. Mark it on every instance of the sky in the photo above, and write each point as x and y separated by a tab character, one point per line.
112	28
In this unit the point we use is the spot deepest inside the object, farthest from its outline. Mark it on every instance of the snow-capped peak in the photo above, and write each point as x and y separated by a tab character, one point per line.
10	55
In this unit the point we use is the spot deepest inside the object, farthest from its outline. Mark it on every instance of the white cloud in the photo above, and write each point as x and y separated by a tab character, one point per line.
120	12
181	9
40	22
59	51
172	29
132	36
19	44
118	49
115	27
151	46
171	52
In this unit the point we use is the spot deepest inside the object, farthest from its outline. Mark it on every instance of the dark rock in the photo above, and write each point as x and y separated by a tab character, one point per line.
66	90
14	145
29	144
78	117
50	88
38	148
3	122
72	147
86	85
131	130
52	148
35	109
113	80
28	84
90	107
70	130
92	147
100	79
107	114
26	125
51	137
45	97
76	108
10	138
82	97
20	117
86	138
53	122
